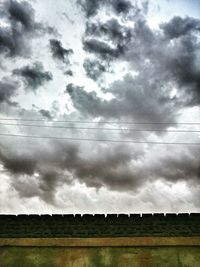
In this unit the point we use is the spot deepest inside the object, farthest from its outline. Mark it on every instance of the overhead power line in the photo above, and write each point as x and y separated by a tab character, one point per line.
100	122
98	128
99	140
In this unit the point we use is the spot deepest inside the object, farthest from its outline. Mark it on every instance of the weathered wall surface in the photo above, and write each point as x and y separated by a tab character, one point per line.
135	240
100	257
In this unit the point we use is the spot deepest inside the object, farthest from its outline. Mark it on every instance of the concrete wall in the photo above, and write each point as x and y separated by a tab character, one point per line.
100	256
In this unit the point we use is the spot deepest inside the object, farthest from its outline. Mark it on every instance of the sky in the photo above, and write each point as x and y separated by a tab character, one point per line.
115	84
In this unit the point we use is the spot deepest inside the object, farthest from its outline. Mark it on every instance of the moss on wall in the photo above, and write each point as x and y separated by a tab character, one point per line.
100	257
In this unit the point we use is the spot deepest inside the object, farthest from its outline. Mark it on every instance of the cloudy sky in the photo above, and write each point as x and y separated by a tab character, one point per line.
126	71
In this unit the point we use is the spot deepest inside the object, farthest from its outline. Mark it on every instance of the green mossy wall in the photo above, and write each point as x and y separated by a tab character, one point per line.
100	257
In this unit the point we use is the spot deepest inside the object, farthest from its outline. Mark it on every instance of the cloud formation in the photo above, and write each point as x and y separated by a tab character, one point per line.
65	162
111	29
129	101
158	64
91	7
115	44
33	76
8	91
180	26
21	26
94	68
45	113
59	52
128	66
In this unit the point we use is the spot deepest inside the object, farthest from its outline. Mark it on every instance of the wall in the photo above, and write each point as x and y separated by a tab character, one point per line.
135	240
100	257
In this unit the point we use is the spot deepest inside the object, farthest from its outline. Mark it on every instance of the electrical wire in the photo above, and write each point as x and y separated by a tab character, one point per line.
99	140
99	128
100	122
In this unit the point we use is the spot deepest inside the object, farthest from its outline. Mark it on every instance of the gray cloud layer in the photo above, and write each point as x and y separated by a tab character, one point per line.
115	33
130	102
94	68
91	7
22	26
110	168
33	76
58	51
8	90
162	78
158	64
180	26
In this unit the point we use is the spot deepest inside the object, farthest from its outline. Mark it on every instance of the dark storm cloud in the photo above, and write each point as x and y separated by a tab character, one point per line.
58	51
69	73
102	49
21	18
130	101
91	7
183	62
145	46
7	44
171	57
109	40
12	42
109	168
180	26
158	60
177	165
152	52
42	185
40	168
159	64
94	68
121	6
117	38
114	167
62	162
45	113
8	89
21	12
47	189
112	28
88	103
18	164
33	76
185	69
22	26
